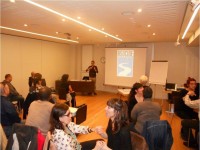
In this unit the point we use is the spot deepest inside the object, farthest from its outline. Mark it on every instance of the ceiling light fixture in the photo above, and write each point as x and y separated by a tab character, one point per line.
148	25
69	18
25	25
63	20
139	10
78	17
12	1
33	33
153	34
191	20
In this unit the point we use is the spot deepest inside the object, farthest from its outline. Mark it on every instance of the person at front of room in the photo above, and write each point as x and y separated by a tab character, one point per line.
63	131
93	70
182	110
117	132
135	96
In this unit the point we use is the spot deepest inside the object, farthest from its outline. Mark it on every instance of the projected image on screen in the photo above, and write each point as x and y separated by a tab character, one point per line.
125	63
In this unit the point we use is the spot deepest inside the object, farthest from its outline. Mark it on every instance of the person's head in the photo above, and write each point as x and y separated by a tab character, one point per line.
64	77
117	112
190	84
147	93
143	80
45	93
60	116
92	62
8	77
32	74
137	88
4	89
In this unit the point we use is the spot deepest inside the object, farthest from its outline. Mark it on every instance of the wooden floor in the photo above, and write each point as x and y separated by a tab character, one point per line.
96	116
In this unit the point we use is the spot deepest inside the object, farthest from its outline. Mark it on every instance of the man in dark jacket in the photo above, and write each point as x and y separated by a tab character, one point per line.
9	115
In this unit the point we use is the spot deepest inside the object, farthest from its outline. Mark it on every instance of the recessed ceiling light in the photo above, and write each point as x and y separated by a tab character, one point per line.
106	36
25	25
90	29
148	25
102	29
56	32
77	38
139	10
116	35
78	17
71	19
33	33
153	34
13	1
63	20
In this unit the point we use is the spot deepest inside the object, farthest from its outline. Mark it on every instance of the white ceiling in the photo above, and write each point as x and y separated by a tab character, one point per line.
165	16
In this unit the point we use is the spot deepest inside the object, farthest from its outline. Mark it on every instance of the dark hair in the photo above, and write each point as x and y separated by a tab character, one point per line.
44	93
121	119
64	77
7	75
132	93
147	93
57	111
189	79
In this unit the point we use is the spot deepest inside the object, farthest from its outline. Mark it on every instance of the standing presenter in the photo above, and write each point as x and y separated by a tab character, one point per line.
93	70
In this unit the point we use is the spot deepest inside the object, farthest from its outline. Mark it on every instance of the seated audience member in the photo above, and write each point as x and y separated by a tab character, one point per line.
145	111
69	91
39	111
64	131
188	124
135	96
31	79
9	115
144	80
117	132
182	110
32	95
14	95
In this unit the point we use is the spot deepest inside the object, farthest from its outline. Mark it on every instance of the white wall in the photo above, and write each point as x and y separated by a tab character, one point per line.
20	56
183	62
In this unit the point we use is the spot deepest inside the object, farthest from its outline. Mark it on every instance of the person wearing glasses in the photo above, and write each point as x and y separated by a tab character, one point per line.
63	131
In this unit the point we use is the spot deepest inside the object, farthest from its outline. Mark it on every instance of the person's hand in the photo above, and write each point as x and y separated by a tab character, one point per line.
191	93
99	130
101	145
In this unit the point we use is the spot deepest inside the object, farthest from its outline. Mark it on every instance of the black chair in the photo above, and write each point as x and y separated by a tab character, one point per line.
81	114
86	78
62	93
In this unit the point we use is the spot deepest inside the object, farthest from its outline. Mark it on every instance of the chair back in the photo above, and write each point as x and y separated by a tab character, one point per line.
158	135
48	144
138	142
62	93
81	114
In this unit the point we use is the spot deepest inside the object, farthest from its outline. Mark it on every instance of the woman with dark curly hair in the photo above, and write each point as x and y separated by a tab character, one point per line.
117	132
135	96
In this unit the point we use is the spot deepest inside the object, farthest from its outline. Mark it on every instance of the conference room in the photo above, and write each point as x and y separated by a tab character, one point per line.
126	39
